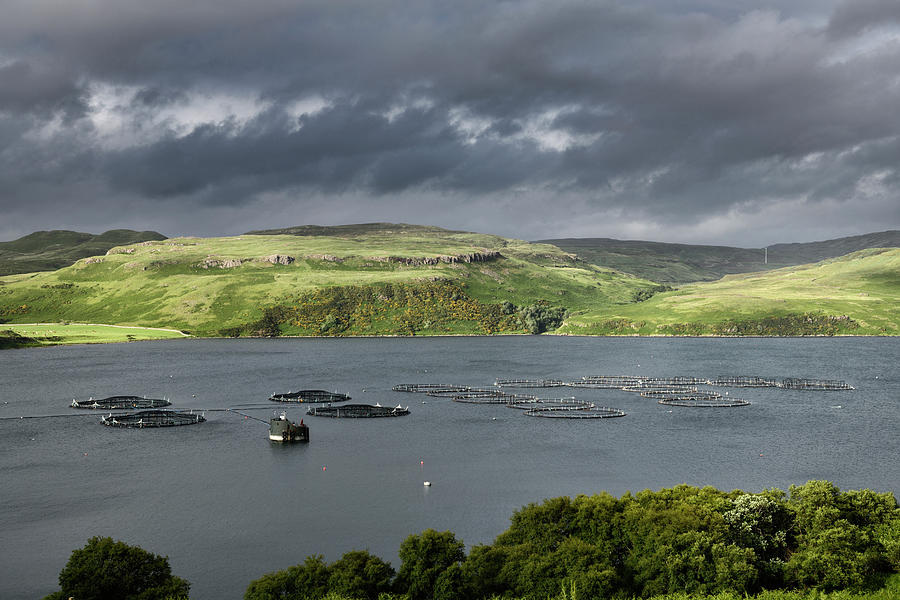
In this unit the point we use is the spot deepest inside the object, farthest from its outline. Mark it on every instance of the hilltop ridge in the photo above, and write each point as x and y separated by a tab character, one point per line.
51	250
685	263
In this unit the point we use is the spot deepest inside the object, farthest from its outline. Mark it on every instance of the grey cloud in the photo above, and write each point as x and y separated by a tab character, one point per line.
852	17
675	109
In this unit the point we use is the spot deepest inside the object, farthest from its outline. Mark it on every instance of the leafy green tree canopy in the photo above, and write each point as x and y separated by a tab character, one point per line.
424	558
105	569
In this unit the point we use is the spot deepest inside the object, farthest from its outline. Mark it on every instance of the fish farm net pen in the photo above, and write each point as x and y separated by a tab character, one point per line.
501	399
530	383
562	403
357	411
424	388
469	393
742	381
793	383
704	402
120	403
152	418
676	394
309	396
595	412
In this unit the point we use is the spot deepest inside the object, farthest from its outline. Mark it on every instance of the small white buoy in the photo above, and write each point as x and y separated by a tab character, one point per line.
427	484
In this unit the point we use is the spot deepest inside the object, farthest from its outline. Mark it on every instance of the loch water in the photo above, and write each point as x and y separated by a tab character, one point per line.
227	506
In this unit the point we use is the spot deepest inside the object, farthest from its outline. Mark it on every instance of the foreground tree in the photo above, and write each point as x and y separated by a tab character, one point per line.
425	558
105	569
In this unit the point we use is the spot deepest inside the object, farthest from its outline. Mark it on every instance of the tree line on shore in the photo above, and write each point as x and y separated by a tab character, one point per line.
681	542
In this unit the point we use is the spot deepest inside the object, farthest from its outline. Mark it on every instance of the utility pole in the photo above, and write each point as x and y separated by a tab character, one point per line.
767	254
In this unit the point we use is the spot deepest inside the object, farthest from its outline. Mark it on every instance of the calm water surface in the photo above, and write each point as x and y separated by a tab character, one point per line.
227	506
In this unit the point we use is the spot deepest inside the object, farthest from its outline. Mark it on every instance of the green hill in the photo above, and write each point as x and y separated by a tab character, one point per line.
854	294
372	279
51	250
684	263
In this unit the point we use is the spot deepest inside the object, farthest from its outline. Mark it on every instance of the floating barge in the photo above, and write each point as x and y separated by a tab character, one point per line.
282	429
120	403
309	397
152	418
357	411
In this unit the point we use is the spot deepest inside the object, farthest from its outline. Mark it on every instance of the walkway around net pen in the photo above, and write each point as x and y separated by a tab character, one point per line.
530	383
794	383
742	381
357	411
483	399
152	418
704	402
469	393
594	412
309	397
569	403
121	402
424	388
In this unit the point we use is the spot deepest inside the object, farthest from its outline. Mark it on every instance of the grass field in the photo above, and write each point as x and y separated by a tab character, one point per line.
385	279
208	285
855	294
44	334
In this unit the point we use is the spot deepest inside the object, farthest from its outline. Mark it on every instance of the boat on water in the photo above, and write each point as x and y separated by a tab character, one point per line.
282	429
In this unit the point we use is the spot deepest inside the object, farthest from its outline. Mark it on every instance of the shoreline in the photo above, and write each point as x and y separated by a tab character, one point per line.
184	335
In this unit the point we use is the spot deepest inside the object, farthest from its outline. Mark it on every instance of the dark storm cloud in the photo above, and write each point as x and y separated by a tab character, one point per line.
678	111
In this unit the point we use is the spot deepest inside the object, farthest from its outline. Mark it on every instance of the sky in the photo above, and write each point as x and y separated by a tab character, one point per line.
696	121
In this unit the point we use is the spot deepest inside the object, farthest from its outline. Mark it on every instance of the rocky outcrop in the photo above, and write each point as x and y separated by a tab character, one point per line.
221	263
93	260
416	261
278	259
120	250
325	257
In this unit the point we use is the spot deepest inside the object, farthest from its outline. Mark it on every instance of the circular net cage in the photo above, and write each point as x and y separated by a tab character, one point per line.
357	411
677	380
794	383
659	387
309	397
469	393
674	394
557	412
531	403
492	399
703	401
429	388
748	381
609	382
152	418
530	383
120	402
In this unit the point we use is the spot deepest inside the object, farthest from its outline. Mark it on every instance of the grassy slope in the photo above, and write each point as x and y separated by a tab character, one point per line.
682	263
162	284
51	250
864	285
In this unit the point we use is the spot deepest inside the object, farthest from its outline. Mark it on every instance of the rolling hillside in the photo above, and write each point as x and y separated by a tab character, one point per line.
51	250
855	294
685	263
386	280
